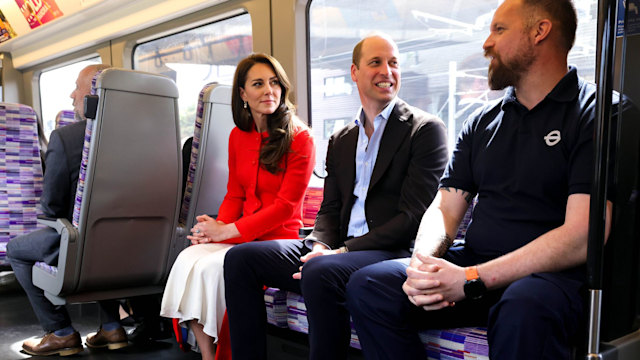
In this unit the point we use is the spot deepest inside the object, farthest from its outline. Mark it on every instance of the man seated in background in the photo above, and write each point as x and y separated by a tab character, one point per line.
62	164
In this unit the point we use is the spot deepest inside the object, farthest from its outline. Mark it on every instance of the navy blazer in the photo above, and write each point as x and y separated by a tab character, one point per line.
411	159
62	164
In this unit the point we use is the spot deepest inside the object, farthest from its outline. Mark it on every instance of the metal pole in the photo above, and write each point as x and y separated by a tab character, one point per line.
604	74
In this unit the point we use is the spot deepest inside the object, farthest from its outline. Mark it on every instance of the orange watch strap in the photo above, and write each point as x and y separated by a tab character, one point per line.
471	273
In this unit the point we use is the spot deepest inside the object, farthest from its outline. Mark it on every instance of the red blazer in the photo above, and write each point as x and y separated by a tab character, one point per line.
265	206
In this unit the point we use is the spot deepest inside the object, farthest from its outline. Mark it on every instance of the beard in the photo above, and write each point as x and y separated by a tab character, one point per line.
509	72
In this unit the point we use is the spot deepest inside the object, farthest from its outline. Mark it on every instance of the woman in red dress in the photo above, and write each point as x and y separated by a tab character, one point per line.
271	158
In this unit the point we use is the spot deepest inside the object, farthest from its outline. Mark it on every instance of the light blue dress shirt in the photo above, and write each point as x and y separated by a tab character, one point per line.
366	155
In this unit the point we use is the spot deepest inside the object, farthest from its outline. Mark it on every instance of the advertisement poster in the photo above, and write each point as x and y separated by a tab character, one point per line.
38	12
6	31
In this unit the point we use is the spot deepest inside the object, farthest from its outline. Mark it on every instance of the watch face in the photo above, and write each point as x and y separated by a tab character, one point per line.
474	289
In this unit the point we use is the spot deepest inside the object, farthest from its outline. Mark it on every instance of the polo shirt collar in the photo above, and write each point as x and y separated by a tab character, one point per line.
565	90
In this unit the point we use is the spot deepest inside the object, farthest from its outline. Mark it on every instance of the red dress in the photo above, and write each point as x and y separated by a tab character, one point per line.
266	206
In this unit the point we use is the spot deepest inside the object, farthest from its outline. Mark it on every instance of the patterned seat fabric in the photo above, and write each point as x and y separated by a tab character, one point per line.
286	309
311	205
64	118
197	134
20	173
85	159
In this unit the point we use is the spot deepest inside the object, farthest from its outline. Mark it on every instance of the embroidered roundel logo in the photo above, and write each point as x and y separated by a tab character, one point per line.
552	138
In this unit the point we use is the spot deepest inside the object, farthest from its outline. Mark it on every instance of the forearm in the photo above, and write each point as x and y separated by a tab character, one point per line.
558	249
440	222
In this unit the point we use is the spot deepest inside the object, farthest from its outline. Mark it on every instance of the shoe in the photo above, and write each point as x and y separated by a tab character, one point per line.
51	344
150	331
114	339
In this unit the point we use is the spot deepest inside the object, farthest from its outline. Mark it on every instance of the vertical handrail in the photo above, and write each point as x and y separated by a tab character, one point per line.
597	214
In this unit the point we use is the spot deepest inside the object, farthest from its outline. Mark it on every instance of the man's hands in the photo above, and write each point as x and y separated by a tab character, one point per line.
433	283
318	250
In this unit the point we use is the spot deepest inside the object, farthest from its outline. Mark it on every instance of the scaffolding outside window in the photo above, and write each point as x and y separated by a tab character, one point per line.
196	57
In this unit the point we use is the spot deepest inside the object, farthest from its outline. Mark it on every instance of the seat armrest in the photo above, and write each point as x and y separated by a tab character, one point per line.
58	224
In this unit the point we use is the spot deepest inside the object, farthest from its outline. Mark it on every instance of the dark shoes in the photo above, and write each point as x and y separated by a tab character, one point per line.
51	344
114	339
150	331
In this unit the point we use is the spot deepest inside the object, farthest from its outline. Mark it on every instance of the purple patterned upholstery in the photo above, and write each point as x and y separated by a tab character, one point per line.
85	160
466	220
195	151
65	117
461	343
20	173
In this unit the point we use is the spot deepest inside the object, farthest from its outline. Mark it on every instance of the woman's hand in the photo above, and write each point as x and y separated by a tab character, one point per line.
209	230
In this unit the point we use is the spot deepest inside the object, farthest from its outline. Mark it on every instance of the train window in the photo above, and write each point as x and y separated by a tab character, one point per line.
56	86
444	71
196	57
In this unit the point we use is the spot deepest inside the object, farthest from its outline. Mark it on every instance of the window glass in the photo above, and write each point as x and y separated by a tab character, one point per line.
196	57
443	68
55	90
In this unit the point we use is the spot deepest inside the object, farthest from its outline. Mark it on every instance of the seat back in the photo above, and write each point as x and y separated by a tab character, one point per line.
20	173
208	169
127	201
64	118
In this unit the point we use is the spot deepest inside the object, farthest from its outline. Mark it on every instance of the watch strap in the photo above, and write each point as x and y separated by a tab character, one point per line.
471	273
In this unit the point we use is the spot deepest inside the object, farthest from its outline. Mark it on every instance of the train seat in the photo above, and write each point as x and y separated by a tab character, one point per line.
65	117
20	174
123	236
208	169
208	172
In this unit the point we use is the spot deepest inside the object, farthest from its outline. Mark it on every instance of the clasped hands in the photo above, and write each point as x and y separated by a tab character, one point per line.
207	230
433	283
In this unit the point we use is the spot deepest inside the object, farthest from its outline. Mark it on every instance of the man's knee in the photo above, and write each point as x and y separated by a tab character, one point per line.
237	258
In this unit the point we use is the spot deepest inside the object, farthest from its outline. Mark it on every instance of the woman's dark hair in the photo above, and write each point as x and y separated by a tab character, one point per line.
279	124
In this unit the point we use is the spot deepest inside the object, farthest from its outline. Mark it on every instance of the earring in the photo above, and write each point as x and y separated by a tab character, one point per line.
245	104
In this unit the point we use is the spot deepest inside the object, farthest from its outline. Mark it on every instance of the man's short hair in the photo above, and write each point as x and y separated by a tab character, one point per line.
562	14
357	50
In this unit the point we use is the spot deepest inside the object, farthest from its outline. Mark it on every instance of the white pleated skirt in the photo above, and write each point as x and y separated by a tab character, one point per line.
195	288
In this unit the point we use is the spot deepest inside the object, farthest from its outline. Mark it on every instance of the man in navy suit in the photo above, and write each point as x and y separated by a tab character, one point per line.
62	164
382	174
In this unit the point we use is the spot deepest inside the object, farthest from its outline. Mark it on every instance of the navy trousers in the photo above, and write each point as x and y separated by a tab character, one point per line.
248	267
535	317
43	245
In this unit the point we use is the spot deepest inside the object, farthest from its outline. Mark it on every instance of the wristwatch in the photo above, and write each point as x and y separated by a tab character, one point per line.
474	288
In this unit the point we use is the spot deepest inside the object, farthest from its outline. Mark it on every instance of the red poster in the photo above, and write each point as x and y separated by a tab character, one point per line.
38	12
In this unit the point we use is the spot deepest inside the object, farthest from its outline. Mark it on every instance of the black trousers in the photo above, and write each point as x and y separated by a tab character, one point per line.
248	267
536	317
